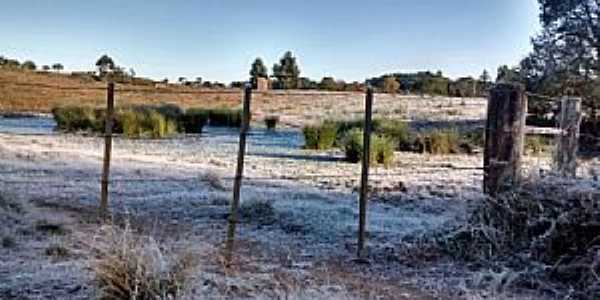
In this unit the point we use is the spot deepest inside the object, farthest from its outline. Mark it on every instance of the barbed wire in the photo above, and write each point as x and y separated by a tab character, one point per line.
200	177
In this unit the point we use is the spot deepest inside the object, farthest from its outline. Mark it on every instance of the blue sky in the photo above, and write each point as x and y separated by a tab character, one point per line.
219	39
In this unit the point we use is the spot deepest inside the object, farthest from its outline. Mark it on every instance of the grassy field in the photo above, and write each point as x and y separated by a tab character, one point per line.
40	92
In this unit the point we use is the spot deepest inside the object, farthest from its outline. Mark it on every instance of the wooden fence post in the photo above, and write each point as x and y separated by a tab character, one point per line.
565	159
108	125
235	203
364	182
504	138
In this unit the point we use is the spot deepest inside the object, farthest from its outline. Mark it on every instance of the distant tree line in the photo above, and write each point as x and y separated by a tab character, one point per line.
431	84
286	75
28	65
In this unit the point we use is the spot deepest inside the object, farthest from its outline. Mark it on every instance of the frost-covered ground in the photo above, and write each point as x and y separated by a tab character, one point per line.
185	183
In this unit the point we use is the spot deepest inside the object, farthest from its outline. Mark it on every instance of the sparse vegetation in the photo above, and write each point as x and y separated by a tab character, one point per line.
147	123
320	137
398	134
552	221
194	120
75	118
129	266
225	117
382	149
213	181
440	141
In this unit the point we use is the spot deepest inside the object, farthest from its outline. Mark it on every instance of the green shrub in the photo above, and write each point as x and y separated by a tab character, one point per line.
226	117
138	121
143	123
311	137
168	111
75	118
194	120
271	122
382	148
321	137
353	146
397	131
439	141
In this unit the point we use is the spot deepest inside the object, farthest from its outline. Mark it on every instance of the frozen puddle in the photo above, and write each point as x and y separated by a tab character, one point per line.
27	125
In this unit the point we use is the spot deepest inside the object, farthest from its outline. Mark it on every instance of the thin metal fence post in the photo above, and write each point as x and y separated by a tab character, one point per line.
364	182
108	126
235	203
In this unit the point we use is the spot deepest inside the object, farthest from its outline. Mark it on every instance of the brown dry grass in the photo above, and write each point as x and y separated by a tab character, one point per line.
40	92
129	266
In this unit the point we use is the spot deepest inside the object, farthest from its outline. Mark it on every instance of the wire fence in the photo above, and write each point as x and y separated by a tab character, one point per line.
176	90
202	177
155	90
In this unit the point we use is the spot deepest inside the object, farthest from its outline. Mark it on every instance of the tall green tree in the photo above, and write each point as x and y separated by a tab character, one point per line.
485	77
508	74
328	84
286	72
566	53
29	65
105	64
258	70
57	67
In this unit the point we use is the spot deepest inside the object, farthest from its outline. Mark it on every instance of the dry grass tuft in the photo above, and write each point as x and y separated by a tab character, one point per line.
547	233
129	266
258	211
213	180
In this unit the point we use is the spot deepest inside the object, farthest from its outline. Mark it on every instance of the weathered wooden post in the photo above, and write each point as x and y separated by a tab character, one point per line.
108	126
504	138
235	203
364	181
565	158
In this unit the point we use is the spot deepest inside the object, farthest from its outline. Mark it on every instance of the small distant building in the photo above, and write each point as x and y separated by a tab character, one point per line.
262	84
